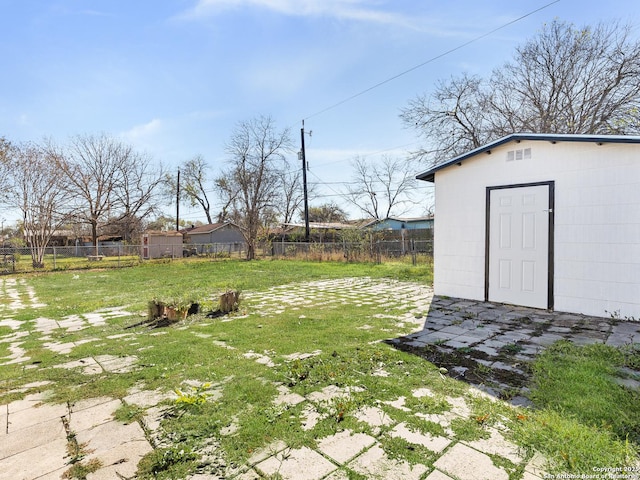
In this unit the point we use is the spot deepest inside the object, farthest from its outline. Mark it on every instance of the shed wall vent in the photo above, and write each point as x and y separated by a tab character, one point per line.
521	154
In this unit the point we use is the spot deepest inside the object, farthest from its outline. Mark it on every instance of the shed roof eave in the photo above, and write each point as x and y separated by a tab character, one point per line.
429	175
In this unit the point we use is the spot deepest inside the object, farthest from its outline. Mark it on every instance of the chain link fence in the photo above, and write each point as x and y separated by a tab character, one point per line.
18	259
419	251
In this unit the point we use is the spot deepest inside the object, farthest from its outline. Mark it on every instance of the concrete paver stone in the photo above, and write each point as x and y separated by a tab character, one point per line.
338	475
398	403
465	463
327	394
266	452
438	475
89	366
530	476
497	445
35	415
38	461
91	416
374	417
248	475
375	464
536	465
434	443
29	401
114	364
122	459
309	417
345	445
110	435
298	464
31	437
287	397
147	398
4	418
153	418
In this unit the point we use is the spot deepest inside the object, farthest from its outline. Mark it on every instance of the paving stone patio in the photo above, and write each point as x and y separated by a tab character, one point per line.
461	335
34	435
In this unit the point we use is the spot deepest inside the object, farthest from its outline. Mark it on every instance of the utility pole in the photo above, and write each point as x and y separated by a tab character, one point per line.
304	182
178	204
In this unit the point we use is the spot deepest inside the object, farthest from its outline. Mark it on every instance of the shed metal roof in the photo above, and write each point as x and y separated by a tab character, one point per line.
429	175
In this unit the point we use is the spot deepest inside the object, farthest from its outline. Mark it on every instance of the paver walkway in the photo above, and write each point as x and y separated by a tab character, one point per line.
468	337
38	440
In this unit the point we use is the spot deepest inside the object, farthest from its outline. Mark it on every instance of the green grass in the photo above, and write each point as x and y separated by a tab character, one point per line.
570	420
579	383
584	418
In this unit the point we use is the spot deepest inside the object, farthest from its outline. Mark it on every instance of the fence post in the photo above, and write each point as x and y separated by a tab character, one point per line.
54	258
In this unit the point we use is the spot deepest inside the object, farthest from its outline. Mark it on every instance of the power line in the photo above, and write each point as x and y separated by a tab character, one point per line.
390	79
369	154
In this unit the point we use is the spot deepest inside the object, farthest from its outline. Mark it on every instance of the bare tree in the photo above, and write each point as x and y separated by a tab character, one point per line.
195	184
5	149
107	179
136	194
250	187
452	120
293	194
35	187
379	189
564	80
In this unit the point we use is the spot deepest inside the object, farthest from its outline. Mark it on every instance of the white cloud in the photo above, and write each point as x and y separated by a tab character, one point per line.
142	132
358	10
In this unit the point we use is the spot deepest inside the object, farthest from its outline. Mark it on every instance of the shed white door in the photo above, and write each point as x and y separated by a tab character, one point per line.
519	245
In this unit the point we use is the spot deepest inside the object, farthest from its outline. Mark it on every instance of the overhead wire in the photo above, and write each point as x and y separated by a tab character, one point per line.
432	59
405	72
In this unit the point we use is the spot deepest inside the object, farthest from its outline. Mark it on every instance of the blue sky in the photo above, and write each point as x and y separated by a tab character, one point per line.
175	77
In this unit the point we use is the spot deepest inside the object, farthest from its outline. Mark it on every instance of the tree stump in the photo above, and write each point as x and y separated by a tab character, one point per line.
229	301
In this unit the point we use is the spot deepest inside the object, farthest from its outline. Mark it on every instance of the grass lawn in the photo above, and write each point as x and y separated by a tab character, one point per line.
227	372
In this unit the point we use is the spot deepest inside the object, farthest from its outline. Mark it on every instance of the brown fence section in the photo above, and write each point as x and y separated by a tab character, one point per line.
15	260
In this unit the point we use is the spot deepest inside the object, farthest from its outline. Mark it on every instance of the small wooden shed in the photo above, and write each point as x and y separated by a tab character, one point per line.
158	244
541	220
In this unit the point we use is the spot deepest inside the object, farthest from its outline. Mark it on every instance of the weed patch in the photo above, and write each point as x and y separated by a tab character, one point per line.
579	382
585	418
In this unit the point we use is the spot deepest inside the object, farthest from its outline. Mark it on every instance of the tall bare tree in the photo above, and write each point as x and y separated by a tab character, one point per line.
564	80
195	184
250	187
453	119
107	179
5	149
136	195
35	187
292	194
382	188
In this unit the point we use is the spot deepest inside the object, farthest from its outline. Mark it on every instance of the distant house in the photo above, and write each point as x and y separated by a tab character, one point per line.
541	220
227	234
398	223
318	231
157	244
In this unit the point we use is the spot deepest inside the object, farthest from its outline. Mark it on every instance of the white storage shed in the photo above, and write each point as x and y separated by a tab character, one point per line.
541	220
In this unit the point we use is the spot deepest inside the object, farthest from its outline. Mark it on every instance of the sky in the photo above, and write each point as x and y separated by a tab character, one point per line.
175	77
